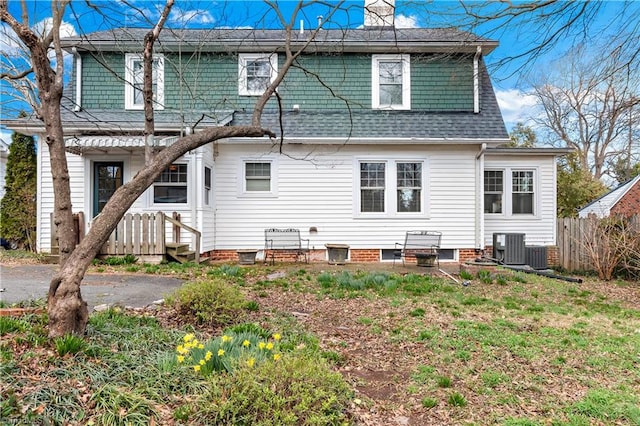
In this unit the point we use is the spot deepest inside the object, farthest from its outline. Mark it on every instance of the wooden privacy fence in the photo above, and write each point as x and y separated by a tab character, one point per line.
571	240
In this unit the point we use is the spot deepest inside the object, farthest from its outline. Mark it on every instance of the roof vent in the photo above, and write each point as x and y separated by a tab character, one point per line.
379	13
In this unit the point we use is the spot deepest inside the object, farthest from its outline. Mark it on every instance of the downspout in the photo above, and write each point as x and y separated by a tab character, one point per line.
78	102
479	197
476	80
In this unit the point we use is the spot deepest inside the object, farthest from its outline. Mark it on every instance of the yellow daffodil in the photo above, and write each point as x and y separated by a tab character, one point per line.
246	343
220	352
188	337
180	358
277	337
202	362
262	345
251	362
196	368
276	357
269	346
226	338
208	356
200	346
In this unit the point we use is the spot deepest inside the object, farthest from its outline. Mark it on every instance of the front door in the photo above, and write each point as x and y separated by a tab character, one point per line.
107	177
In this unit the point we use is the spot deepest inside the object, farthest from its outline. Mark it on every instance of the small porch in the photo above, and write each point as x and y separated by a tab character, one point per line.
145	236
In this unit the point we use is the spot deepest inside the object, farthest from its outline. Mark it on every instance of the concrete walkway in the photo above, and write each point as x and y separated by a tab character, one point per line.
31	282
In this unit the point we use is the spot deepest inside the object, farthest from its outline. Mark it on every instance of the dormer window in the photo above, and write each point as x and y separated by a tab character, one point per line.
255	73
390	82
134	81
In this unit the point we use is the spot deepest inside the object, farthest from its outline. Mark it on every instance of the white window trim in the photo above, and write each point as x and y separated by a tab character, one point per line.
243	89
176	206
507	193
242	187
129	89
406	81
390	195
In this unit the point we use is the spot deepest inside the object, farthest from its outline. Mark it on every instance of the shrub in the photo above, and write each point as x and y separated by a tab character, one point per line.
296	390
208	301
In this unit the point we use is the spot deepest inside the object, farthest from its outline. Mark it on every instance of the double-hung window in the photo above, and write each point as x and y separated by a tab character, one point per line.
391	188
207	186
372	187
256	72
390	82
257	177
493	191
409	187
171	186
509	191
134	81
522	195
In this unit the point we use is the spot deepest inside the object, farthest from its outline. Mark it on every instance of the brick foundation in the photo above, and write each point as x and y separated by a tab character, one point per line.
364	255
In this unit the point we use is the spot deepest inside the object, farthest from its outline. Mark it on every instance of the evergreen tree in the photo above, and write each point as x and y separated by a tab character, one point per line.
576	186
18	206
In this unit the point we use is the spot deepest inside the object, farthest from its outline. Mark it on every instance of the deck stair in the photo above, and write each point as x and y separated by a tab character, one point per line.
180	252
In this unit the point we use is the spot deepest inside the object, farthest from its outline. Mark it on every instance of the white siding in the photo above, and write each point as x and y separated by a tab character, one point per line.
75	164
81	181
316	189
541	228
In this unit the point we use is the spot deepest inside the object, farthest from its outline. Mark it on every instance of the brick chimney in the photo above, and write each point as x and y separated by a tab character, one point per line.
379	13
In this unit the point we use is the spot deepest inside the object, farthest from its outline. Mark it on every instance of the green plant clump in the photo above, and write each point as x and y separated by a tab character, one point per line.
299	389
208	301
69	344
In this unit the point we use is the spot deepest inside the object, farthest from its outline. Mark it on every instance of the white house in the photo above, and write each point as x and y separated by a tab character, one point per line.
382	130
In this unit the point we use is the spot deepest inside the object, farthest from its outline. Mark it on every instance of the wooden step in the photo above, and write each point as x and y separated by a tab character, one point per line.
183	256
177	247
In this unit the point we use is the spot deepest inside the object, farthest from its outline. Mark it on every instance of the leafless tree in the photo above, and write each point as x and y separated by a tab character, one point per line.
592	104
543	26
67	311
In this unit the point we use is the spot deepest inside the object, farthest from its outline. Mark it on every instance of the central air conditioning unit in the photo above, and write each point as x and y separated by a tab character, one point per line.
509	248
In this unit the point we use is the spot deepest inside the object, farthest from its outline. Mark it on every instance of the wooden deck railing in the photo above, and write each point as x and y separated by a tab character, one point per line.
137	234
197	235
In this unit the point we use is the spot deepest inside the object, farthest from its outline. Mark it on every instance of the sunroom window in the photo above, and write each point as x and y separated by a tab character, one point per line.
493	188
522	192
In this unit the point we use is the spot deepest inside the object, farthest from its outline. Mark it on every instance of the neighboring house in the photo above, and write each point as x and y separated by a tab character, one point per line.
4	155
386	130
621	201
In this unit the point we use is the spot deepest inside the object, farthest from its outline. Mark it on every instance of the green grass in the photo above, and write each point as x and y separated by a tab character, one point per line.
503	351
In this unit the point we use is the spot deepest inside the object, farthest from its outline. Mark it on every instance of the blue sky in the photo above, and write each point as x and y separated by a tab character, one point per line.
510	80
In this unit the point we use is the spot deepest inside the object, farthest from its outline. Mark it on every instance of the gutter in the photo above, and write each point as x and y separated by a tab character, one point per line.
78	102
479	197
476	80
369	141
